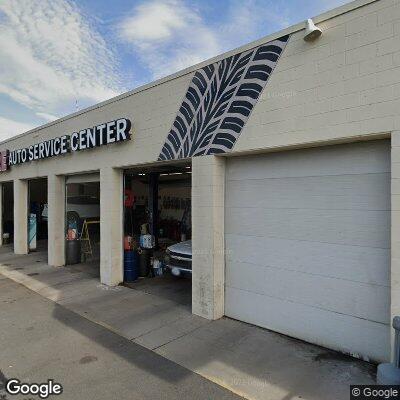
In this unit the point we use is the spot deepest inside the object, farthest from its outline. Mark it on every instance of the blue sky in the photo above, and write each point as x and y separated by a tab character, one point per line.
58	56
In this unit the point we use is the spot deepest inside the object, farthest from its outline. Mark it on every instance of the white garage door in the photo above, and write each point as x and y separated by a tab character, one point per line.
308	245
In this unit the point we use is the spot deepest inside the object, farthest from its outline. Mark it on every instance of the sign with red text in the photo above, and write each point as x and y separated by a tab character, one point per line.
3	160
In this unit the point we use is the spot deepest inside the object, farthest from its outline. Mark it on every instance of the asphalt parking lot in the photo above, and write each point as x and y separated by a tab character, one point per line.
41	340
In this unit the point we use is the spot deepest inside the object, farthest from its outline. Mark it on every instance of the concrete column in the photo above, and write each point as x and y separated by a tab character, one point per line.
56	220
111	226
20	216
395	232
208	192
1	214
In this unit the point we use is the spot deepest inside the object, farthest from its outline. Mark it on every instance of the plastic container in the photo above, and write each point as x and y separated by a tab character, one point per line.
131	265
128	242
146	241
157	267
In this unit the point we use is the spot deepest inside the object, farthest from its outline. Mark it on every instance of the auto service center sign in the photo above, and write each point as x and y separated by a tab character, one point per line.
104	134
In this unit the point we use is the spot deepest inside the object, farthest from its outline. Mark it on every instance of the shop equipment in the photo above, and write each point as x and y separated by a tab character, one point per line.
6	238
86	243
157	267
147	241
144	262
73	251
32	231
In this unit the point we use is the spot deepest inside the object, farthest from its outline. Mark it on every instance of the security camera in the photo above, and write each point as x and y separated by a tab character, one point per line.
312	31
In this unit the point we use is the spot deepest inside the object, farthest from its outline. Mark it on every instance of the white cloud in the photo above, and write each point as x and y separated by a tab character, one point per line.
47	117
51	55
249	20
154	21
9	128
169	36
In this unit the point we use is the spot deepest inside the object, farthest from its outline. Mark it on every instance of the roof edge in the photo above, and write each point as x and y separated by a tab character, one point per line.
353	5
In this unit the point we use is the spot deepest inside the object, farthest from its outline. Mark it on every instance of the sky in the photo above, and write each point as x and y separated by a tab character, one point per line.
60	56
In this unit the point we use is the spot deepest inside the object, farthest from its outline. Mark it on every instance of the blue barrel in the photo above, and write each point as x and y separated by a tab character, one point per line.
131	265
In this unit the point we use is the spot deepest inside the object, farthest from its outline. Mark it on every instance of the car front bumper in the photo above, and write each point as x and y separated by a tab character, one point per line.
179	265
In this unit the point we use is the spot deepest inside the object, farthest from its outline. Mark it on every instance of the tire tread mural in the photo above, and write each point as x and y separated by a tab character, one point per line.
219	101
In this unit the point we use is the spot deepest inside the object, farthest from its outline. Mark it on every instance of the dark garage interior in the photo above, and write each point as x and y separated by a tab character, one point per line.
83	224
8	212
37	214
157	216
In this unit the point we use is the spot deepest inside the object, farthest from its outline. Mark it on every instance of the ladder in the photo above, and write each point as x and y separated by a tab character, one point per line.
86	243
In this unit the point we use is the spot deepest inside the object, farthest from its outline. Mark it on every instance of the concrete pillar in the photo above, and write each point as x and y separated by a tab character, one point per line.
208	260
395	232
56	220
153	204
1	214
20	216
111	226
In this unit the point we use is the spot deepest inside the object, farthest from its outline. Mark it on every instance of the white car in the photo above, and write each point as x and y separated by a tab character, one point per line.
179	258
87	207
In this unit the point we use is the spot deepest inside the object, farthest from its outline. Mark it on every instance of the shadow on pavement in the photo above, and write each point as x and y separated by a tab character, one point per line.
246	359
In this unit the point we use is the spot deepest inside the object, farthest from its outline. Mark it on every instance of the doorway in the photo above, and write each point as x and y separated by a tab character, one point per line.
8	212
157	231
82	218
37	214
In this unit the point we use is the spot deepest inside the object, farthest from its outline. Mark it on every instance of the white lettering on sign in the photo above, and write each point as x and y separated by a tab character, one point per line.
100	135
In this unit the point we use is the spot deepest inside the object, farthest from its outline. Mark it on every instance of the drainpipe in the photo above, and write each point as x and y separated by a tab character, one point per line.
389	373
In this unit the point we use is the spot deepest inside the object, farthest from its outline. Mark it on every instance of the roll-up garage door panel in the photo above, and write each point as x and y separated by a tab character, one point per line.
325	259
316	162
347	227
311	228
315	290
335	192
312	324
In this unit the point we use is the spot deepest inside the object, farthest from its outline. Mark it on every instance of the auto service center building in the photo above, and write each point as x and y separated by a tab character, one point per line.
293	148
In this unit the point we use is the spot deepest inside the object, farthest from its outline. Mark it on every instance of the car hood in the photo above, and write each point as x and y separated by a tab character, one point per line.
182	248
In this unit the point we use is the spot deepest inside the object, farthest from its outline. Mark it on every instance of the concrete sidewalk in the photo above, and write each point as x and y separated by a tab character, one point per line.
252	362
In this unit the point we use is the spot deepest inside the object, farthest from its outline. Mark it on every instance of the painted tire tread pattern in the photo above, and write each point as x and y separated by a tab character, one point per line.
219	101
